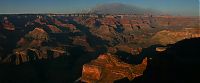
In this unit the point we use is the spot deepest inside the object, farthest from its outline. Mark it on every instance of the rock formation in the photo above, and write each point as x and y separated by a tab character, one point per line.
30	48
170	37
108	68
38	34
45	40
54	29
7	25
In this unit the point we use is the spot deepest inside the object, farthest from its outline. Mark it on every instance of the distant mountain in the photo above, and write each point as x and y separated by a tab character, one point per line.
119	8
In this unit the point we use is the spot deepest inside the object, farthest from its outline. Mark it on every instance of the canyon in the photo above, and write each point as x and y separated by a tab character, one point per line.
95	48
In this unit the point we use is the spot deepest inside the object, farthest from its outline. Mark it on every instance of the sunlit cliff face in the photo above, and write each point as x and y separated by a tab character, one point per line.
108	68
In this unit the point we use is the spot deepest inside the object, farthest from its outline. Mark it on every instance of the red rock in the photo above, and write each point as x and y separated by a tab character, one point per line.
165	37
8	25
109	21
108	68
91	72
58	22
124	21
38	34
41	21
70	26
54	29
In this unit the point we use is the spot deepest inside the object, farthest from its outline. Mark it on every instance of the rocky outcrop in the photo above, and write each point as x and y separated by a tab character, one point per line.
124	48
108	68
174	21
31	48
161	49
37	34
126	24
7	25
170	37
54	29
21	55
34	38
71	27
82	41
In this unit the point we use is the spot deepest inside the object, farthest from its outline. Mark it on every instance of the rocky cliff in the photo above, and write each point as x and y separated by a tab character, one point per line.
108	68
170	37
31	47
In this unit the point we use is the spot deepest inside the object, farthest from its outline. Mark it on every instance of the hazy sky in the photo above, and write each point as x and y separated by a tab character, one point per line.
178	7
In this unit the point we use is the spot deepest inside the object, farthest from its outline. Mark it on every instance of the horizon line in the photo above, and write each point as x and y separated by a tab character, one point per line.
94	13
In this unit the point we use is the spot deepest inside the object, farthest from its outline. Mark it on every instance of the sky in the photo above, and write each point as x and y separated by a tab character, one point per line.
175	7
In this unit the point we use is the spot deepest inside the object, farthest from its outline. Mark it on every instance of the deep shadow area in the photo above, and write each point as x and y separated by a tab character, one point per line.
180	63
91	39
65	69
8	40
128	57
